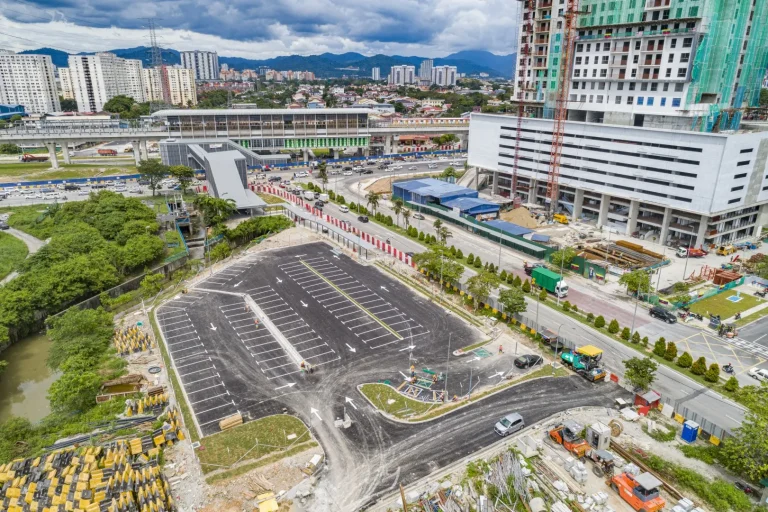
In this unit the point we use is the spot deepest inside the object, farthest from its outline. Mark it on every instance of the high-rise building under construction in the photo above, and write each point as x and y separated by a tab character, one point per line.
677	64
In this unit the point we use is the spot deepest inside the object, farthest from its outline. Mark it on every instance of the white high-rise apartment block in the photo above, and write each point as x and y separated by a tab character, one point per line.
28	80
402	75
425	69
98	78
444	76
376	74
65	80
205	65
181	86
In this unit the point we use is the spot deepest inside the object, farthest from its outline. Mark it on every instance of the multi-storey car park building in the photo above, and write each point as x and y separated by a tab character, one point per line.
677	64
669	185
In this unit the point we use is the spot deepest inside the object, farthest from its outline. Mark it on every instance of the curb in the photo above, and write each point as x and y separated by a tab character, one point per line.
466	403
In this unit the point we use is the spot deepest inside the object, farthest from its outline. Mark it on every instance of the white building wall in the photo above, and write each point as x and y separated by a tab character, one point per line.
67	89
689	171
131	81
28	80
205	65
402	75
181	83
444	76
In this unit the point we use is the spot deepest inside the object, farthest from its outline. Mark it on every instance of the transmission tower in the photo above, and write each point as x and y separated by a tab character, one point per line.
157	64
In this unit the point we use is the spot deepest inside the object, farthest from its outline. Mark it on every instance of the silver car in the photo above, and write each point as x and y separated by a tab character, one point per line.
509	424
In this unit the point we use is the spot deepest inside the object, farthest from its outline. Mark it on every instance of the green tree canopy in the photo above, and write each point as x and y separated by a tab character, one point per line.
437	261
152	284
637	280
215	210
67	104
9	149
184	174
79	332
154	172
74	392
513	300
481	285
563	257
640	372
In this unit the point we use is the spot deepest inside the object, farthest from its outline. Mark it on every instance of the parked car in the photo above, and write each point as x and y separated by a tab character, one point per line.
509	424
418	216
528	360
367	171
760	374
344	208
413	168
363	219
3	225
432	166
528	267
71	187
663	314
347	173
271	179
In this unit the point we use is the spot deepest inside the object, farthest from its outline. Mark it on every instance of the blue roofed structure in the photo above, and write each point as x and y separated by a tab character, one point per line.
8	111
430	190
472	206
508	227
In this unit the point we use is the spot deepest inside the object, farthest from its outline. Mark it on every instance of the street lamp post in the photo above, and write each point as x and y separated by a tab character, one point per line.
663	254
447	366
685	268
562	263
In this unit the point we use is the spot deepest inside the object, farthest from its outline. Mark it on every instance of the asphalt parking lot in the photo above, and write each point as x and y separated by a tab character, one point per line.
247	328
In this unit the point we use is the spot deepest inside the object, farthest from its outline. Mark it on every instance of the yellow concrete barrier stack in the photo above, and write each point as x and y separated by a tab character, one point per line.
121	476
145	404
131	340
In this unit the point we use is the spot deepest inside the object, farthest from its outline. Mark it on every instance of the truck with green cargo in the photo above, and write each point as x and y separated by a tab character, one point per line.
550	281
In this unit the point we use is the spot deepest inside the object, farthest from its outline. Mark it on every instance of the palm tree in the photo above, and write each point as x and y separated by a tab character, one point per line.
397	207
215	210
437	225
406	217
373	200
322	173
444	234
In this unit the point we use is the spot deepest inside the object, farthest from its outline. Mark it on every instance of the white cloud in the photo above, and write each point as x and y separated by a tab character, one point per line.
432	28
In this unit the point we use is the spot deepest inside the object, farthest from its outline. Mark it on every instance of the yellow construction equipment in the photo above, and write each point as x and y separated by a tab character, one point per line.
561	218
725	250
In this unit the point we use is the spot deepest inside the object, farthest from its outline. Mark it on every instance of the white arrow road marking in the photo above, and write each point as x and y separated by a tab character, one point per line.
238	284
350	347
303	303
314	411
384	289
213	327
279	280
409	347
286	386
350	402
497	374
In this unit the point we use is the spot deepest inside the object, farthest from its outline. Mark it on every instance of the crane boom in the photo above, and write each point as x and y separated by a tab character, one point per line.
561	107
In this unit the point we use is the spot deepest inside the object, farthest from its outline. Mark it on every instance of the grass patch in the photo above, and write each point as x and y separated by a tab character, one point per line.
270	199
180	398
240	470
721	496
476	345
705	453
401	407
751	318
78	170
720	305
251	440
663	434
24	218
12	252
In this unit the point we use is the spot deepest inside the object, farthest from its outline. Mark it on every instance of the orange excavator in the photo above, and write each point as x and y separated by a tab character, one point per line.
641	492
568	434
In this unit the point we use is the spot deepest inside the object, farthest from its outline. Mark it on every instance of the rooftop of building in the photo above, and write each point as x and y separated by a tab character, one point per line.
257	111
432	187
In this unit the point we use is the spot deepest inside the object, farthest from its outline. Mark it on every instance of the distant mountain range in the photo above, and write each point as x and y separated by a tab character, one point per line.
327	64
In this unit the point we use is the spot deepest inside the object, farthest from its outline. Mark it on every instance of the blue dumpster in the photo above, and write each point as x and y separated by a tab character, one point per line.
690	431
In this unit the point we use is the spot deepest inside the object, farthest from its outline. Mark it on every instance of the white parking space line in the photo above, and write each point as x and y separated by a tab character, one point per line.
263	345
362	325
272	359
232	403
196	371
306	341
342	309
284	374
201	380
190	356
320	355
265	351
355	312
174	351
192	364
174	323
307	349
294	328
205	389
370	330
190	326
183	341
246	313
175	315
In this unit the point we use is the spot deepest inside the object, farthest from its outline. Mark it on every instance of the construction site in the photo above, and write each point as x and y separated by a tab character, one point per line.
590	459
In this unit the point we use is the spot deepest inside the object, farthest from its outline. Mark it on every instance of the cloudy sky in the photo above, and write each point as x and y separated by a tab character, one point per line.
264	28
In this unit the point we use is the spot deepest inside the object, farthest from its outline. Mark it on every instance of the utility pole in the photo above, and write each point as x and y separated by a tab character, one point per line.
402	497
447	365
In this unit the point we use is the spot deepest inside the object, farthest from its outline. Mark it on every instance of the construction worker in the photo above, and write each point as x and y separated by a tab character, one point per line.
434	379
413	371
303	367
501	349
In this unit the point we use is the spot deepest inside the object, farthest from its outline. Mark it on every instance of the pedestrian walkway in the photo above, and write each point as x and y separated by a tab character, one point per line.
748	312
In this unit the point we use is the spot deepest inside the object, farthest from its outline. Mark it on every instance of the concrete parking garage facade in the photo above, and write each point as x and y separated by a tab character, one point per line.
675	186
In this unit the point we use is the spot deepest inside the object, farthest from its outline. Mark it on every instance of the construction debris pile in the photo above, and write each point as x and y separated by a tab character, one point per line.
624	254
131	340
149	402
120	476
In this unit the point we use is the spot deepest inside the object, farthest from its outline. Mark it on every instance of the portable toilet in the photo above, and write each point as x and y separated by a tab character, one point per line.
690	431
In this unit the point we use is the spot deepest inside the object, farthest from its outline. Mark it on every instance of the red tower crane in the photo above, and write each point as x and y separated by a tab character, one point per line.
561	106
522	78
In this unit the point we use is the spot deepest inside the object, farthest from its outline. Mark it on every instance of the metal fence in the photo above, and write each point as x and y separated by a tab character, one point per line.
712	293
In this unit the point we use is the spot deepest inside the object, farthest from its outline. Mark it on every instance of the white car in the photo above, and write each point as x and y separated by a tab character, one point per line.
135	190
344	209
413	168
432	166
389	169
760	374
347	173
83	192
